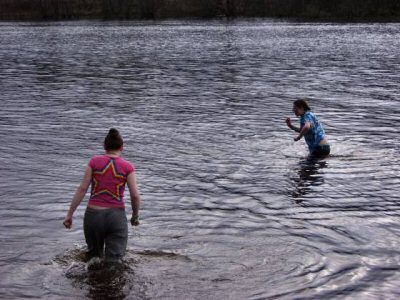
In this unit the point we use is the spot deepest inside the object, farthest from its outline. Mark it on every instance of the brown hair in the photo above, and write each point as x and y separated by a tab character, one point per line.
113	140
302	103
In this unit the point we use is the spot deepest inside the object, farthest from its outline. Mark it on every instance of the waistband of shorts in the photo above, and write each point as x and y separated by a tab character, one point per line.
325	146
90	209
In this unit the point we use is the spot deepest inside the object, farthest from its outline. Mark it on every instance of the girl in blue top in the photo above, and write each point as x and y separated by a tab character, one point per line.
310	128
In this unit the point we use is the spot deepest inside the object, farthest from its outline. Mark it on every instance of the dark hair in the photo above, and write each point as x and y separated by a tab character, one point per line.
113	140
302	103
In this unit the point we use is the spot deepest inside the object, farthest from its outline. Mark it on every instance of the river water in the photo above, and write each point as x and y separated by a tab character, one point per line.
232	208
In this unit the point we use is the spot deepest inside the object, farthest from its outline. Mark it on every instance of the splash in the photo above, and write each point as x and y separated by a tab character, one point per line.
100	279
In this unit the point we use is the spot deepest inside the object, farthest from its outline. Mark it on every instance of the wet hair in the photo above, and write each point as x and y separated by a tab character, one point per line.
302	103
113	140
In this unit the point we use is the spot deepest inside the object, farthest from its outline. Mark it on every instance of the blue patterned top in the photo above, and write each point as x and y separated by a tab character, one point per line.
316	133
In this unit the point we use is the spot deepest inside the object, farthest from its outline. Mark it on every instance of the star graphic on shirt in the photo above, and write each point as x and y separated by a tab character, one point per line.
108	181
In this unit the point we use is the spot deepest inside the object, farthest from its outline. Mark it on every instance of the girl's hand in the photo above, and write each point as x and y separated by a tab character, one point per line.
68	222
297	138
135	220
289	123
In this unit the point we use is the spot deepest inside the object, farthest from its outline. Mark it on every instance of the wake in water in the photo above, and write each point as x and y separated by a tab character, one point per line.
101	280
105	280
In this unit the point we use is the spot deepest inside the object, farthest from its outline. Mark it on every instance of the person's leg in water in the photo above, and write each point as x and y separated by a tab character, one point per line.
116	237
94	230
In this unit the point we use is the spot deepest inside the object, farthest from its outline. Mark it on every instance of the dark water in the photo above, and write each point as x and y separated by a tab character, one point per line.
231	207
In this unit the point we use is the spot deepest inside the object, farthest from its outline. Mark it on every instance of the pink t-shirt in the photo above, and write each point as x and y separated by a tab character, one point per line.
109	175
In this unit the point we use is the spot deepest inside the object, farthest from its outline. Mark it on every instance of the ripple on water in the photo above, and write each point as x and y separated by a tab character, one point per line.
231	206
104	281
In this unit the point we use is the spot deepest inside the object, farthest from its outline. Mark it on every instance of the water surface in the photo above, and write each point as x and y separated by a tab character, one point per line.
232	208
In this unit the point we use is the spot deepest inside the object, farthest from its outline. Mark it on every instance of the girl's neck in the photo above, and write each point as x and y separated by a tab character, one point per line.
113	153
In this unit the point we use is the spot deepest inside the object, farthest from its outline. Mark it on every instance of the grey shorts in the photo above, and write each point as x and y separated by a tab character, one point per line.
106	233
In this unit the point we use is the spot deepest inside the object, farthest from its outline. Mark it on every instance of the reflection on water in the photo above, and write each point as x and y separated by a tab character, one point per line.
232	209
309	176
101	280
107	282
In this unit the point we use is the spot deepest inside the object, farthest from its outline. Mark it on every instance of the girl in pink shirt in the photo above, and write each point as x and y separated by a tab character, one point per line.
105	222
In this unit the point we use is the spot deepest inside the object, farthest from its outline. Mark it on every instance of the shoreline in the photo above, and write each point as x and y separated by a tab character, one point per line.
339	11
191	18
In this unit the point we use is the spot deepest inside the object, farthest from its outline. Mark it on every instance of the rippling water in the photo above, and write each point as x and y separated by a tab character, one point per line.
231	208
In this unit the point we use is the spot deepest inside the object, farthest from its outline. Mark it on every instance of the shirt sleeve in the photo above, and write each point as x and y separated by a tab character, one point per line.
308	117
91	163
130	168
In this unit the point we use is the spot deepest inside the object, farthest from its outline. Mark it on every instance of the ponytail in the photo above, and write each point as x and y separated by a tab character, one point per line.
113	140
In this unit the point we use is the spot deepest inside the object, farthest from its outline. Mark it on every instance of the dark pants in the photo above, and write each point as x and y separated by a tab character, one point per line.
106	233
321	151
